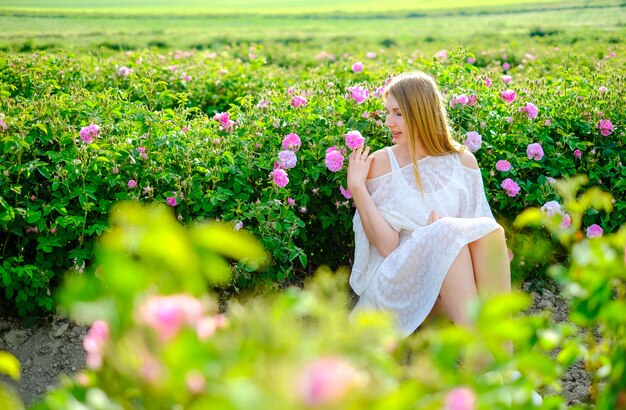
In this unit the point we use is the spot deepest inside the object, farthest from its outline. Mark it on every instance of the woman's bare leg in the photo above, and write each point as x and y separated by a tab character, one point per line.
490	261
459	287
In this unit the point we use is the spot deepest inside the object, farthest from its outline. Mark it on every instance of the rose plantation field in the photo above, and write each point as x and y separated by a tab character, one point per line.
254	133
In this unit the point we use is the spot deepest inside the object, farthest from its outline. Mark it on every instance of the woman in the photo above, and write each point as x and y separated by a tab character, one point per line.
423	229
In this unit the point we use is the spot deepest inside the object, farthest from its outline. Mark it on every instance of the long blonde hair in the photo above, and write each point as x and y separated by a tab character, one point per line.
424	114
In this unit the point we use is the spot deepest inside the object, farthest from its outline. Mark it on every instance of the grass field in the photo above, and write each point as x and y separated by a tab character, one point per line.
258	6
38	24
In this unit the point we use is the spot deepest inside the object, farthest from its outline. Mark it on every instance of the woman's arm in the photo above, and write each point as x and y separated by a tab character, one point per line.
378	231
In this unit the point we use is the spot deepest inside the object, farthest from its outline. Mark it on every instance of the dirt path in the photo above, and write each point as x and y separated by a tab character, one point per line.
47	351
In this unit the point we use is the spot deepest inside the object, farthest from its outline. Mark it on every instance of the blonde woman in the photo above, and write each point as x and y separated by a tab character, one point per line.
424	232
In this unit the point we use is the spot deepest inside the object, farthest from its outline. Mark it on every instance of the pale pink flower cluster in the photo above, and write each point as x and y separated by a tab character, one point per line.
334	159
463	100
508	96
287	159
142	152
94	343
354	139
124	71
87	134
473	141
371	54
461	398
534	151
531	110
506	79
263	104
167	315
326	381
511	187
553	208
503	165
594	231
358	94
357	67
226	123
298	101
441	55
605	127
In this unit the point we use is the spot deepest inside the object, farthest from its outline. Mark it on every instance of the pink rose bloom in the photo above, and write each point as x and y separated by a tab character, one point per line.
470	60
461	398
280	177
345	192
291	201
142	152
487	81
124	71
459	100
298	101
326	381
3	125
503	165
303	210
167	315
334	160
441	55
87	134
566	221
508	96
552	208
195	381
357	67
578	153
531	110
602	89
132	183
263	104
534	151
509	120
171	200
472	100
473	141
354	139
594	231
548	122
225	122
371	54
506	79
358	94
291	142
287	159
94	342
506	66
511	187
605	127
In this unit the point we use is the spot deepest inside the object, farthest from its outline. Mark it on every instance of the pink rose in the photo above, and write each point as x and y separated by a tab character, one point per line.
226	123
473	141
292	142
334	160
594	231
461	398
503	165
171	200
357	67
280	177
534	151
326	381
487	81
605	127
578	154
358	94
167	315
531	110
132	183
94	343
87	134
511	187
291	201
298	101
345	192
441	55
354	139
508	96
506	79
287	159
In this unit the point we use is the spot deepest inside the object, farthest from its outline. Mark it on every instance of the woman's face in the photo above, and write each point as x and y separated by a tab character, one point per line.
395	121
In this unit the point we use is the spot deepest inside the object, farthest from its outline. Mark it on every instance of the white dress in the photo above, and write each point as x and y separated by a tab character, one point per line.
408	281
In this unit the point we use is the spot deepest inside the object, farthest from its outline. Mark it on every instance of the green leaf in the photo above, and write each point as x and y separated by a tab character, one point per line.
530	217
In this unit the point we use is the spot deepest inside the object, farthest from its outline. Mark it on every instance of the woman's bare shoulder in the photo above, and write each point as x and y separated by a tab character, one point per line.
381	164
468	159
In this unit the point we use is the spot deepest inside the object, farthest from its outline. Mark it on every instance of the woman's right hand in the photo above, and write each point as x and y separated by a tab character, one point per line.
359	162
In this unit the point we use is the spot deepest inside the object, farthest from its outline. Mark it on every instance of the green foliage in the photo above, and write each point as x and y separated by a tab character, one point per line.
157	129
296	349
